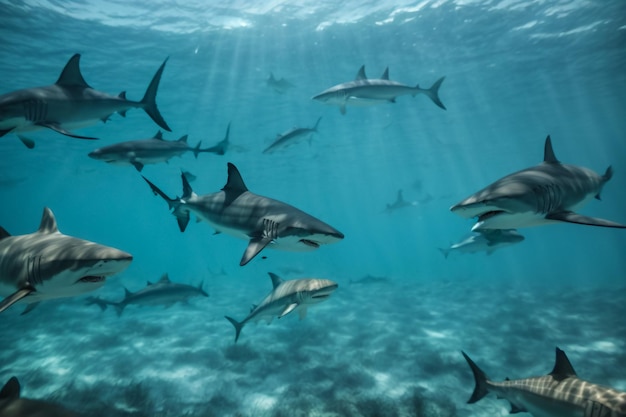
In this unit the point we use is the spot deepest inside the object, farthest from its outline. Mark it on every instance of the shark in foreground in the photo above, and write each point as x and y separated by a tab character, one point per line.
13	405
164	292
47	264
365	91
559	394
287	296
547	193
70	103
263	221
145	151
488	240
291	137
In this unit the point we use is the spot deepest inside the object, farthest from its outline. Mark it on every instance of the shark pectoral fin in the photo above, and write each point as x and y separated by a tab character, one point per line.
515	409
255	246
571	217
57	128
30	307
138	165
14	298
342	109
29	143
288	310
302	313
5	131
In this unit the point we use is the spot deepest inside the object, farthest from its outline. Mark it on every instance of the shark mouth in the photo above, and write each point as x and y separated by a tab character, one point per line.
310	243
489	214
320	296
92	278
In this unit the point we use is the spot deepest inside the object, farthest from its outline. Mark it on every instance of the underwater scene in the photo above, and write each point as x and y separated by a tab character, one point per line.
313	208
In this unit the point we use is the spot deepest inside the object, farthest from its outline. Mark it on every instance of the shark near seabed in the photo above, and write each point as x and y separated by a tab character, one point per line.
547	193
365	91
285	297
48	264
261	220
70	103
559	394
13	405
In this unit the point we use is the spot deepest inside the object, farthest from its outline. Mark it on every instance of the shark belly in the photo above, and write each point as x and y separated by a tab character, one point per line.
543	406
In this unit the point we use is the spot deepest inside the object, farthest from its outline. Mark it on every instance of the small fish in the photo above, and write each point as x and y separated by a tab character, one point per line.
291	137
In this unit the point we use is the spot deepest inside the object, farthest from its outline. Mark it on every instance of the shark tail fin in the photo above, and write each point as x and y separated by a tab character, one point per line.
148	101
119	308
481	381
197	150
175	204
238	326
433	92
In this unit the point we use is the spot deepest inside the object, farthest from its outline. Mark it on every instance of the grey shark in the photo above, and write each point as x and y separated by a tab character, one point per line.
164	292
365	91
287	296
559	394
400	203
223	146
47	264
263	221
145	151
71	103
547	193
12	404
488	240
281	86
291	137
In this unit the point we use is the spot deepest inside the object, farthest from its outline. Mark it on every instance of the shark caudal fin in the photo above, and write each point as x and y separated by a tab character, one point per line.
174	204
480	390
444	252
148	101
238	326
433	92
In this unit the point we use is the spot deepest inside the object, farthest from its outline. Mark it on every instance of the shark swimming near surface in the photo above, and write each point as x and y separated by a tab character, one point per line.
263	221
550	192
291	137
365	91
559	394
70	103
47	264
488	240
12	404
287	296
281	86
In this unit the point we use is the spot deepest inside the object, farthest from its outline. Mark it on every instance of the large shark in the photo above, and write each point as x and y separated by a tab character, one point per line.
546	193
71	103
13	405
559	394
145	151
261	220
291	137
365	91
488	240
285	297
163	292
47	264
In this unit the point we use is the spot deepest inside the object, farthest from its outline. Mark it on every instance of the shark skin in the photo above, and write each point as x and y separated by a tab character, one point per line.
163	292
291	137
559	394
13	405
263	221
287	296
547	193
145	151
71	103
365	91
47	264
484	241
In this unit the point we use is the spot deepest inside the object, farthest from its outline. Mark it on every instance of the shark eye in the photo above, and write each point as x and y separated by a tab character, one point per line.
92	278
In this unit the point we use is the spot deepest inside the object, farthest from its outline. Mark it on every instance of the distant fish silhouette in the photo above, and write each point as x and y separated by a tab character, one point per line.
291	137
369	279
223	146
280	86
400	203
485	241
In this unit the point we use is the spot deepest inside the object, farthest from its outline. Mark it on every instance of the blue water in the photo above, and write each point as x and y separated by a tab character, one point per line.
515	72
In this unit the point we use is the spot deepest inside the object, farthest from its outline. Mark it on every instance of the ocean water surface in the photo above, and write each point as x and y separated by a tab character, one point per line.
388	340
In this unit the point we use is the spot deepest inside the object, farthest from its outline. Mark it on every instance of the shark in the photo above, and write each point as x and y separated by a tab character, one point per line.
363	91
145	151
287	296
400	203
163	292
47	264
263	221
547	193
291	137
559	394
71	103
488	240
223	146
12	404
281	86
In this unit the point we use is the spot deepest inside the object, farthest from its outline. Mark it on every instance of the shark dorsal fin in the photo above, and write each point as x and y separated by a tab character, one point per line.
562	366
159	135
127	293
385	75
183	138
48	222
71	76
361	74
400	199
122	95
276	280
165	278
234	184
548	152
11	389
4	233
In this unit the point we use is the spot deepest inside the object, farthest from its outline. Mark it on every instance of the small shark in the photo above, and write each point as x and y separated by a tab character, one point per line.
47	264
546	193
559	394
145	151
287	296
280	86
292	137
400	203
163	292
223	146
364	91
488	240
12	405
261	220
70	103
